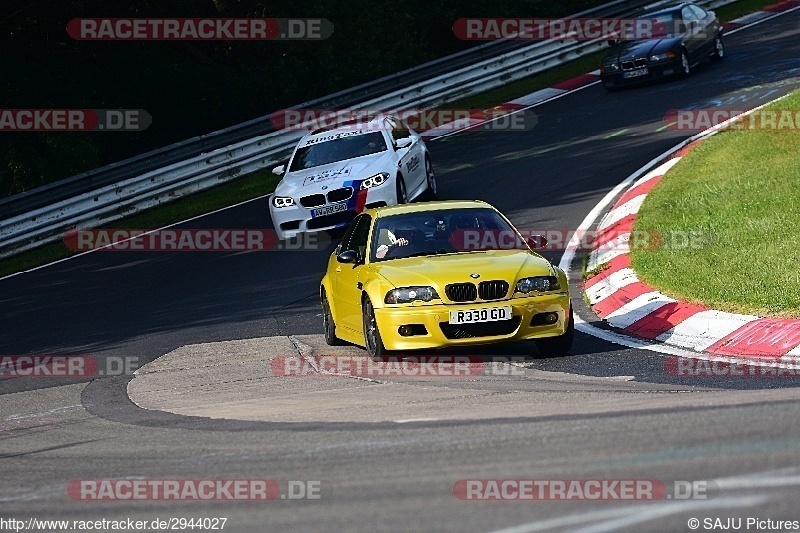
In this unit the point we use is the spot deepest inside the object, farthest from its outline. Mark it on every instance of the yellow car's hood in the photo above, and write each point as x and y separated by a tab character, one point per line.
439	270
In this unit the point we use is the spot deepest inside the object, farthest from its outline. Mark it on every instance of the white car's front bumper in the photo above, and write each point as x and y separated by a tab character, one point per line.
293	220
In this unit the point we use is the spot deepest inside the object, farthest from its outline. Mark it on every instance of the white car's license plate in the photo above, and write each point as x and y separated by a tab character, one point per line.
635	73
487	314
329	209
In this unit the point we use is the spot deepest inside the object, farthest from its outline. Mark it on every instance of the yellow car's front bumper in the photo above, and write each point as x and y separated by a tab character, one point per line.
438	333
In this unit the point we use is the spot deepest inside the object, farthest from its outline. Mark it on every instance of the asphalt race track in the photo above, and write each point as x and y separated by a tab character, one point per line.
606	412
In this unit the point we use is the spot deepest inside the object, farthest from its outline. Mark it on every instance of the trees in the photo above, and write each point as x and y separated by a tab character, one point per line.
193	88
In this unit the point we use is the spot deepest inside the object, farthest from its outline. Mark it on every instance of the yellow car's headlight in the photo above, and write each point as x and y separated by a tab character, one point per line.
538	284
406	295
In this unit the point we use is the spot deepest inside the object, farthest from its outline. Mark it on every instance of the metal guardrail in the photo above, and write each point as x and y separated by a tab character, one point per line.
97	197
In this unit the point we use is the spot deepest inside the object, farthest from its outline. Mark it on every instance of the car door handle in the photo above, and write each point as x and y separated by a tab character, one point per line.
359	285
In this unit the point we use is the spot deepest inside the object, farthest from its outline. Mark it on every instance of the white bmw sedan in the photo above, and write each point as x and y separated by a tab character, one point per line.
336	173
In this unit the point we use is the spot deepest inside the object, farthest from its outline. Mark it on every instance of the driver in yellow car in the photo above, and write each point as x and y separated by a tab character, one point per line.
388	240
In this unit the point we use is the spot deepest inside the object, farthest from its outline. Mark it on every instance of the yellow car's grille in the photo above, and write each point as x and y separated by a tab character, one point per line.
493	290
486	290
461	292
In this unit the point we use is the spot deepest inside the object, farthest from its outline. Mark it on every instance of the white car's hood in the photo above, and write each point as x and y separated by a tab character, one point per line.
333	175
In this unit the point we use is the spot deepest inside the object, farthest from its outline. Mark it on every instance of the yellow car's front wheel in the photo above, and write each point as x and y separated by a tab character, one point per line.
372	336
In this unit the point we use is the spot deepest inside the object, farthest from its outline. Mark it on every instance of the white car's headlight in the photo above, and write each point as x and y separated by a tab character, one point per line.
406	295
282	201
661	57
374	181
538	284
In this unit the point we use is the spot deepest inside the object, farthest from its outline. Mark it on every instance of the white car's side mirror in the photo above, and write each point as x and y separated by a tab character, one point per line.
279	170
405	142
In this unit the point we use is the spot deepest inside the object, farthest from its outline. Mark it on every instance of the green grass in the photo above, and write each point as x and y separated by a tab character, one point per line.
263	182
244	188
738	192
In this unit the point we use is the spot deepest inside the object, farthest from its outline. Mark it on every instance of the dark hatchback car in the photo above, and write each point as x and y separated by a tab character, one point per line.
688	34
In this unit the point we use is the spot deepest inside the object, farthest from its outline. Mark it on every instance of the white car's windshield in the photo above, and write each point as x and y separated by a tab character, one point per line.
441	232
338	148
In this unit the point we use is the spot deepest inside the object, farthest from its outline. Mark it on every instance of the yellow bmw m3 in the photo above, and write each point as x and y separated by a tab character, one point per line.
441	274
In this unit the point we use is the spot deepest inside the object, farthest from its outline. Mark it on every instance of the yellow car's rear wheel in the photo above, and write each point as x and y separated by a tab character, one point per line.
372	336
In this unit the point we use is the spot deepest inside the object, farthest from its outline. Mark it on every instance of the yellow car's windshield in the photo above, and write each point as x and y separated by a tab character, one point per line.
441	232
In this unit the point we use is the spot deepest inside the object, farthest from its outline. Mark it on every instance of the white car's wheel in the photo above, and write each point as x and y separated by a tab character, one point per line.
431	178
402	196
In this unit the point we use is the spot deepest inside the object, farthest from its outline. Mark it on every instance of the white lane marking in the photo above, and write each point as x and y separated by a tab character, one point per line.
556	97
794	351
143	233
647	515
565	263
43	414
703	329
752	17
49	492
436	132
407	420
631	514
756	23
638	308
659	171
538	96
758	482
620	517
608	251
611	284
631	207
